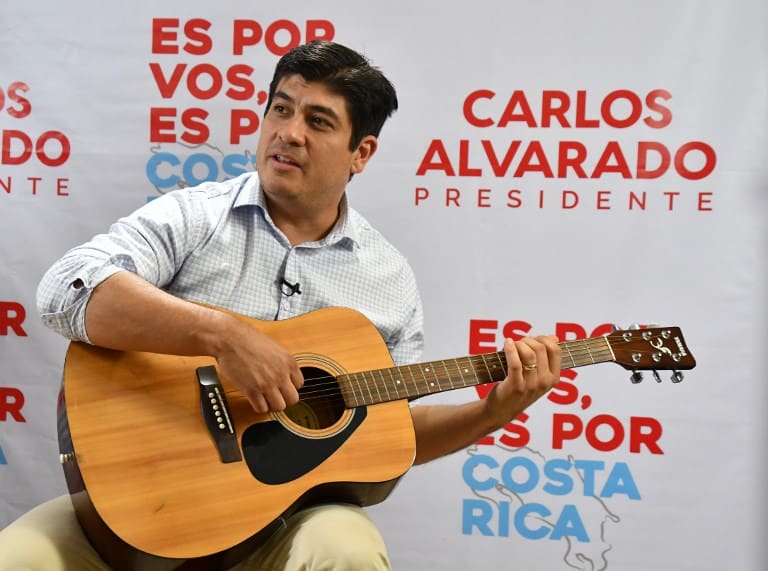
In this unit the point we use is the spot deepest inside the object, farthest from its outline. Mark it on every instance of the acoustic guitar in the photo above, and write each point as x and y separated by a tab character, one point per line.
164	460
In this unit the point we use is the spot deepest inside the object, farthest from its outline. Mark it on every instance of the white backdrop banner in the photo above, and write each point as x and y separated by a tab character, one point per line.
553	167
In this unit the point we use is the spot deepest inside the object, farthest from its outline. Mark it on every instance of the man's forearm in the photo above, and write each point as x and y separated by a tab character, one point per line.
444	429
127	313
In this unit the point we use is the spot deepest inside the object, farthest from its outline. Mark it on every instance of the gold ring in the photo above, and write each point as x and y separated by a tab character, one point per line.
531	367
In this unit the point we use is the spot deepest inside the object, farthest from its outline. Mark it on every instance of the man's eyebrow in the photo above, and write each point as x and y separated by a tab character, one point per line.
283	95
325	111
317	108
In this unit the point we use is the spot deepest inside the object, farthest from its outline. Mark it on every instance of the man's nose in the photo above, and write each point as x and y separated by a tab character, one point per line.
293	131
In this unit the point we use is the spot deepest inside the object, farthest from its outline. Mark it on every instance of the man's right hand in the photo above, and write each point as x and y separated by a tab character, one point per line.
263	370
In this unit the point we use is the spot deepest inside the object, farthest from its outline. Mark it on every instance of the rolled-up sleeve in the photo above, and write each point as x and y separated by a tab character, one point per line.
66	287
151	243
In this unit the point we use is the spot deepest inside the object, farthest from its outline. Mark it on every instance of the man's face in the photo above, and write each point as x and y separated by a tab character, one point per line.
303	155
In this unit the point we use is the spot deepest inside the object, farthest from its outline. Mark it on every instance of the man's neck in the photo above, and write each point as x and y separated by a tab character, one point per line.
304	225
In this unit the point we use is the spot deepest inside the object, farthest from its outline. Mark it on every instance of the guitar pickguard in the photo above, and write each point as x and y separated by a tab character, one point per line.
275	455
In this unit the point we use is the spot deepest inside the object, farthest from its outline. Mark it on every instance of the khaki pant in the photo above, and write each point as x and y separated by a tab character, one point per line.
321	538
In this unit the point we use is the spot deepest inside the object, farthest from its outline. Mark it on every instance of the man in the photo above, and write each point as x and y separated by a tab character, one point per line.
269	245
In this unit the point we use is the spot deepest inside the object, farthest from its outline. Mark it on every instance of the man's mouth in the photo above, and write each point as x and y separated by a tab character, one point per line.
283	159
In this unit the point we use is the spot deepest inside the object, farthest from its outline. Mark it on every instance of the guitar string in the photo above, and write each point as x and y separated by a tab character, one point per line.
455	369
327	383
323	387
330	380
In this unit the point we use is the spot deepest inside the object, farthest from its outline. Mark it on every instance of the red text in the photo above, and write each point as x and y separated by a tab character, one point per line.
620	109
11	403
12	316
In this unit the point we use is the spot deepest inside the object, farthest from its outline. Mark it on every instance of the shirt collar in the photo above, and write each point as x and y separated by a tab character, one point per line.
344	231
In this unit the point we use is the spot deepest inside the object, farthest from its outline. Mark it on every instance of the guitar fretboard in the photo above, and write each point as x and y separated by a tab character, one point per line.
418	380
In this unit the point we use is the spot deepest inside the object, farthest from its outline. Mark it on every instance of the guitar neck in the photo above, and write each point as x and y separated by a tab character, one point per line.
422	379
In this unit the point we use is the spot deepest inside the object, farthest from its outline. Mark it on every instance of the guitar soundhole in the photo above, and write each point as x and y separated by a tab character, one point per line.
320	402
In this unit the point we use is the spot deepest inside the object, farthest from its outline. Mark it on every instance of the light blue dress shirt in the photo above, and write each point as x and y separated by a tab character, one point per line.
216	244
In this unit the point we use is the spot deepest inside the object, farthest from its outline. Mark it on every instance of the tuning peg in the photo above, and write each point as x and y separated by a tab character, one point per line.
677	376
656	376
636	377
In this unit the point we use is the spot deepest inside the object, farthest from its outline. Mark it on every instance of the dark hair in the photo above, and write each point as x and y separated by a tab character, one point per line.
370	97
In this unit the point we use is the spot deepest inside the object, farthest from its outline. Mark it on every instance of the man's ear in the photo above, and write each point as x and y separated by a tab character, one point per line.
363	153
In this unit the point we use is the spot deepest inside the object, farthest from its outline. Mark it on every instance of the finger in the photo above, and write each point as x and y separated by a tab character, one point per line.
528	350
514	364
554	353
274	399
258	402
290	394
297	378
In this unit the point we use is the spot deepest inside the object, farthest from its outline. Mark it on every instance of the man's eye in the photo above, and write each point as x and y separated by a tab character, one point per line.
279	109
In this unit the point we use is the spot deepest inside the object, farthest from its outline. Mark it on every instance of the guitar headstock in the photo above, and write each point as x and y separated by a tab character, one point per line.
652	348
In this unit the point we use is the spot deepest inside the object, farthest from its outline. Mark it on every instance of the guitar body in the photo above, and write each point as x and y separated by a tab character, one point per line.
147	478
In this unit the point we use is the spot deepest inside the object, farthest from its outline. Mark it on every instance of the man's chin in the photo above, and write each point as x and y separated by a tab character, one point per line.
273	186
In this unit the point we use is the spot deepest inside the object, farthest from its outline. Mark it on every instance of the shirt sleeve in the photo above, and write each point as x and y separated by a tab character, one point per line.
152	243
407	346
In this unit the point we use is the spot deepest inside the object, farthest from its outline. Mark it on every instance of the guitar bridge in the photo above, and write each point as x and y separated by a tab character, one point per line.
218	419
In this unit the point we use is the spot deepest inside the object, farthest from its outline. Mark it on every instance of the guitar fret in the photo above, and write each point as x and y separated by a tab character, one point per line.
586	351
476	371
491	376
606	351
358	389
413	377
436	379
378	393
387	391
567	347
413	388
598	351
485	364
482	376
447	374
364	376
461	373
397	382
586	346
376	380
502	363
583	355
469	369
424	376
400	382
368	387
384	381
359	393
427	387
